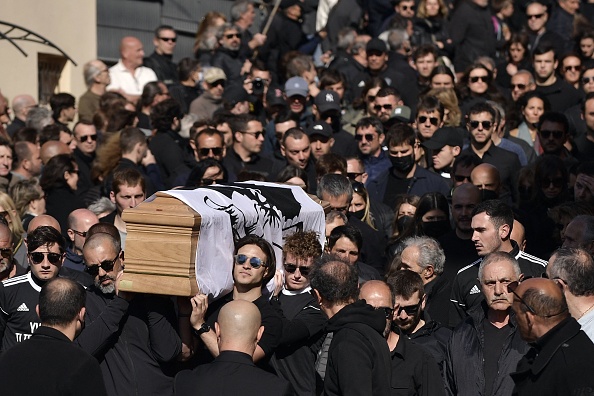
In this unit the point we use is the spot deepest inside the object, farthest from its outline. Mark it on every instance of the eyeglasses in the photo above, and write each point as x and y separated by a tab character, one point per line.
367	136
476	79
388	312
106	265
203	152
556	134
291	268
575	68
6	253
433	120
217	83
535	16
232	35
557	183
519	86
410	310
38	257
485	124
380	107
586	80
354	175
255	262
79	233
88	138
171	39
257	135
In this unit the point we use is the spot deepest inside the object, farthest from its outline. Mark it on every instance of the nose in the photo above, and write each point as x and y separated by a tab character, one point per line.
499	288
474	236
133	203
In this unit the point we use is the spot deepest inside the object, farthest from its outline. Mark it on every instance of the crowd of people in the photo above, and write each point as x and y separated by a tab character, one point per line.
452	141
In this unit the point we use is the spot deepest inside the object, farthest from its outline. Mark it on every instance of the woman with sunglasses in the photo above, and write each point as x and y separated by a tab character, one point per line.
477	85
531	106
207	172
254	265
59	180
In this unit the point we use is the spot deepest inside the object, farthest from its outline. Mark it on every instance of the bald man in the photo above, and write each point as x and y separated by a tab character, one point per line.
486	178
233	372
21	104
52	148
413	367
79	222
43	220
560	361
128	76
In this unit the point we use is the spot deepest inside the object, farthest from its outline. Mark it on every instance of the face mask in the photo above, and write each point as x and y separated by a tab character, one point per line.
403	164
488	194
403	222
359	214
435	229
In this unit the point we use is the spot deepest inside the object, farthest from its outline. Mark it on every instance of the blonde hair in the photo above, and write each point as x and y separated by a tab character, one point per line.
447	97
16	226
422	10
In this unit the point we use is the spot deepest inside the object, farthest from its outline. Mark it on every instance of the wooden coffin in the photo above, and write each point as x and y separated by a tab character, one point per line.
161	243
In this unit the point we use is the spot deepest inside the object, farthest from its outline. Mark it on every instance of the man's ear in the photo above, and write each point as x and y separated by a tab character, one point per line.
381	137
70	234
81	315
364	177
37	309
318	297
283	150
429	271
112	197
423	302
260	332
217	329
504	232
331	142
192	144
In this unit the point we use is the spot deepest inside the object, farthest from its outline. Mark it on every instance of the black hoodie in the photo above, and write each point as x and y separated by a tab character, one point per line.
359	357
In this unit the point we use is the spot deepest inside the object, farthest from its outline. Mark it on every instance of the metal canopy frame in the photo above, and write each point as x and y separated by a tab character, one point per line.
12	32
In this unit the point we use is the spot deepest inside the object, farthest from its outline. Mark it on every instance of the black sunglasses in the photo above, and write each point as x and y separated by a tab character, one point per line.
217	83
485	124
367	136
358	187
405	7
545	134
557	183
433	120
385	107
231	35
519	86
371	98
586	80
79	233
410	310
354	175
215	151
86	138
209	182
535	16
6	253
576	68
38	257
388	312
476	79
291	268
257	135
106	265
255	262
172	39
461	179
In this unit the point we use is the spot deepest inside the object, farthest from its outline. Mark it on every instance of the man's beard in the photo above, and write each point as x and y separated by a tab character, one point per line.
107	289
5	265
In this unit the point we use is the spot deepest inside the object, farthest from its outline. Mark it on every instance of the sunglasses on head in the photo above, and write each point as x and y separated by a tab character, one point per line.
433	120
410	310
38	257
6	253
380	107
88	138
519	86
485	124
291	268
215	151
106	265
367	136
547	134
255	262
170	39
388	312
476	79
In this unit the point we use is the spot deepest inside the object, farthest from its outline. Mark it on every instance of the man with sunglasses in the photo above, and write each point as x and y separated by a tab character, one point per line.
521	82
79	222
131	335
19	295
85	135
553	132
537	16
445	145
303	322
560	360
413	367
369	134
481	125
488	341
429	116
211	100
161	60
228	57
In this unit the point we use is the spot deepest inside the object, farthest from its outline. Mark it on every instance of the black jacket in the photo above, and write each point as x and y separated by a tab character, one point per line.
359	357
163	67
49	364
59	202
170	156
464	362
133	342
231	373
559	363
230	62
434	337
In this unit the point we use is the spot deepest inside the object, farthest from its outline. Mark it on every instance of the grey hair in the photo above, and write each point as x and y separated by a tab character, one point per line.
38	117
335	186
576	268
335	214
346	38
223	28
588	222
396	38
238	8
90	71
496	257
530	75
102	205
430	252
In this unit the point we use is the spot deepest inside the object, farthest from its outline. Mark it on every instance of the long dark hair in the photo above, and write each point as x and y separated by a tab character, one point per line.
53	173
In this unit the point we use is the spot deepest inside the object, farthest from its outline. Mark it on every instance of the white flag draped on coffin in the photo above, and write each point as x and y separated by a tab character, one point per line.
230	212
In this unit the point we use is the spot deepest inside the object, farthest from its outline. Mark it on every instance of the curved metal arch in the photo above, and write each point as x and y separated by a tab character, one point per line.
12	32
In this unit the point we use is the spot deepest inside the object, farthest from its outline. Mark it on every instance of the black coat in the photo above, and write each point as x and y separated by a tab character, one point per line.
560	363
49	364
59	202
231	373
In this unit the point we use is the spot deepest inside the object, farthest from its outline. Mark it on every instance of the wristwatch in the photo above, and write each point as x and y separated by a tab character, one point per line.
204	328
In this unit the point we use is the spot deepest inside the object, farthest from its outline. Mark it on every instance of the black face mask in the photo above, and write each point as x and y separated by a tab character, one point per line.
359	214
435	229
488	194
403	164
403	222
